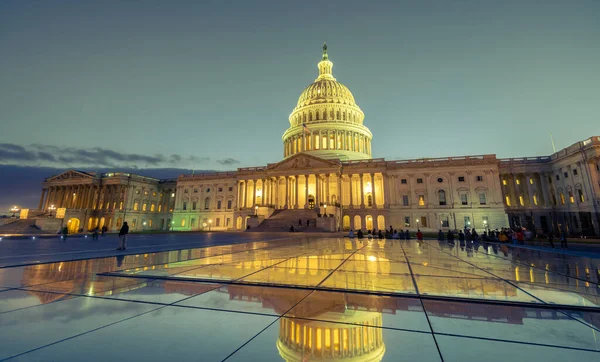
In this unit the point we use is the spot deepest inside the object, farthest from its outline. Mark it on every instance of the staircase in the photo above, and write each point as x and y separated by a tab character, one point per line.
281	220
21	226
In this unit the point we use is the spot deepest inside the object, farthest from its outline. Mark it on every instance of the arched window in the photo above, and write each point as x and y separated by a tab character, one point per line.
206	203
442	197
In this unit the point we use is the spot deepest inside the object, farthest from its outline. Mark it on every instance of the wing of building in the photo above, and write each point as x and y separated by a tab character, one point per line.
329	181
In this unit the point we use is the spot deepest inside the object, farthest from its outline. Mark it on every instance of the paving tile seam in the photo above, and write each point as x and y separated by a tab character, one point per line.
516	342
126	254
379	293
81	334
437	346
524	264
515	286
338	267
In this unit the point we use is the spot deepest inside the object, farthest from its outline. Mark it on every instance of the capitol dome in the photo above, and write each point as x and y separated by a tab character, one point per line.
327	122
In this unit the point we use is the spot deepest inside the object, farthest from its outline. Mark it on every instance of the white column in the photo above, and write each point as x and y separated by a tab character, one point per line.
306	191
351	181
318	190
362	191
327	199
296	192
287	192
373	191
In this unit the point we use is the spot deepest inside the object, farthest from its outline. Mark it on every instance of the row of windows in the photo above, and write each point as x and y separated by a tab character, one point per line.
136	207
571	196
444	221
206	222
440	180
464	199
220	189
207	204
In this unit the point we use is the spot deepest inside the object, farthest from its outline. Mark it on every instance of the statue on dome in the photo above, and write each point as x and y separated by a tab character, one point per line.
325	56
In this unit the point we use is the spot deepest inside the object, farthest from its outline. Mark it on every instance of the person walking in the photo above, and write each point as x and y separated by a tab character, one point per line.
123	236
95	233
563	239
419	235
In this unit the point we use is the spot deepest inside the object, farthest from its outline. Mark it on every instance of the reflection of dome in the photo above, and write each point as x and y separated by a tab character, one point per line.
327	122
360	338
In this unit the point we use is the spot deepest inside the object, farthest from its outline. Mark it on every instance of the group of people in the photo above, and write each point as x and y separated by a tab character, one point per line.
391	233
103	230
123	232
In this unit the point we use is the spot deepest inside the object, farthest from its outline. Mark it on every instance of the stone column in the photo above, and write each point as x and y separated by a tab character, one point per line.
339	189
351	181
317	191
246	187
41	204
373	191
306	191
327	199
287	192
296	192
254	193
362	191
386	190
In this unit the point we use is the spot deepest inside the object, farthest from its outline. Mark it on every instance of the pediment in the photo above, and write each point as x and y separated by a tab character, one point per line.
71	175
302	162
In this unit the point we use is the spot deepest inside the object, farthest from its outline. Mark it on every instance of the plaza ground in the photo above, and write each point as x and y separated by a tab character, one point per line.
295	297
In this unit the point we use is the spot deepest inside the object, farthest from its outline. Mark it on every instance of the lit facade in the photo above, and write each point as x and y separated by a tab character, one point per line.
328	169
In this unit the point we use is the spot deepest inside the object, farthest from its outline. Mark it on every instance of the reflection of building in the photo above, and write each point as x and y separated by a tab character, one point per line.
328	169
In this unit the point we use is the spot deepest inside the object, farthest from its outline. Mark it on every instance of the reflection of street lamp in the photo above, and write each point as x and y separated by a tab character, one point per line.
14	210
256	210
325	207
209	224
51	209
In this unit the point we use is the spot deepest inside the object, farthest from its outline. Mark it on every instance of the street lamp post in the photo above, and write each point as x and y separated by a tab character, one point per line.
14	210
51	209
325	207
256	210
418	223
209	224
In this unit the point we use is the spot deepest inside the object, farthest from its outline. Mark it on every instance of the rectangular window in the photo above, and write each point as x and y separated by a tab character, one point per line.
134	222
557	177
421	200
562	198
219	205
419	180
575	172
220	189
464	200
535	200
445	223
152	207
159	208
136	206
442	197
144	206
504	182
517	181
467	221
146	193
462	179
194	204
182	222
479	178
531	181
521	200
482	198
230	188
185	191
185	206
424	221
404	200
218	222
193	222
571	197
229	204
507	199
565	174
581	197
407	221
228	222
121	205
403	181
195	191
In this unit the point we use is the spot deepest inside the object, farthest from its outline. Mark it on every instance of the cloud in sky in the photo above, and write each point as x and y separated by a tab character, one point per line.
94	157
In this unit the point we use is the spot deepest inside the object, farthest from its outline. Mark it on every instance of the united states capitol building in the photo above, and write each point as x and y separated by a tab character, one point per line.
328	180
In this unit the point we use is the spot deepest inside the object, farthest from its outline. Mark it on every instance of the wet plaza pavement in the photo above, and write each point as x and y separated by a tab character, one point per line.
304	298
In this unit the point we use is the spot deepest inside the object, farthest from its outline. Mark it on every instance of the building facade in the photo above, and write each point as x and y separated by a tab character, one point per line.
329	179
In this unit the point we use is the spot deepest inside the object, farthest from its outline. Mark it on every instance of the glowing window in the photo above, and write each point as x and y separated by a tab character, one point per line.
121	205
535	199
521	200
531	181
136	206
144	206
504	182
581	197
507	199
571	197
562	198
159	208
421	200
152	207
518	181
182	222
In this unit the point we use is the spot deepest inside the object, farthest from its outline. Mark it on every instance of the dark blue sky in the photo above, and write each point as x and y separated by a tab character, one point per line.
210	84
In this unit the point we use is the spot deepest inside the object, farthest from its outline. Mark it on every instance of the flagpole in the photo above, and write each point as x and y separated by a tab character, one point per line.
552	140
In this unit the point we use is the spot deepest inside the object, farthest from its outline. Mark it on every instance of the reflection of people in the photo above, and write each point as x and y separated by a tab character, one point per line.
123	236
65	232
120	259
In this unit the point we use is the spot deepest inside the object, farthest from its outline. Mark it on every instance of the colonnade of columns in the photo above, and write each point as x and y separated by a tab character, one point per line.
301	191
83	197
331	340
327	140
